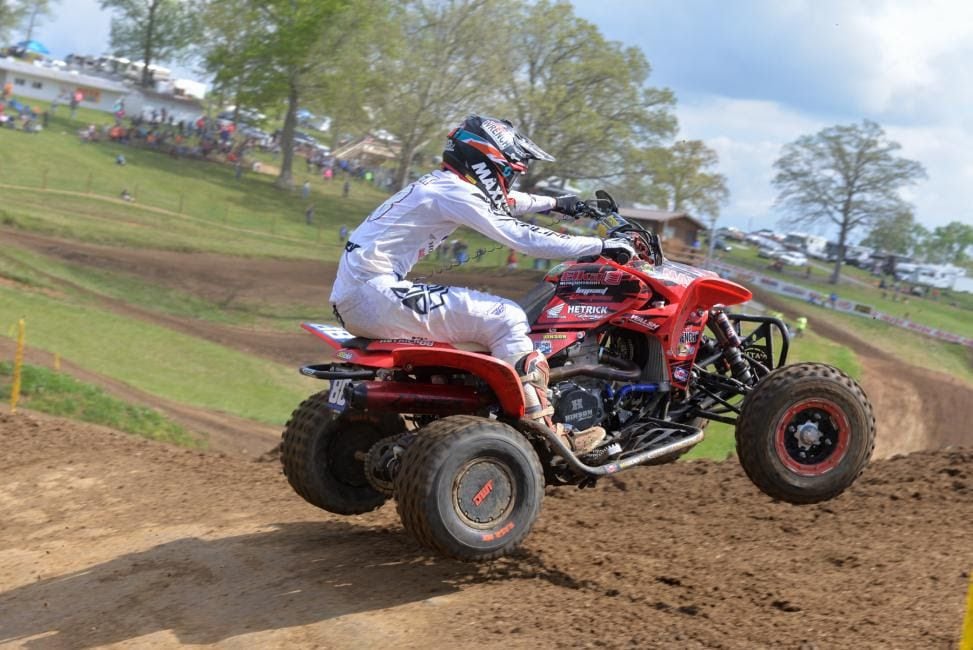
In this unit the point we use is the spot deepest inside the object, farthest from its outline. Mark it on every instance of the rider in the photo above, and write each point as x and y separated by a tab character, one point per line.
372	297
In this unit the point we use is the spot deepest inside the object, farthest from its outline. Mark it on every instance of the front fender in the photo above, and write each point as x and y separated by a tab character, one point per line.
500	376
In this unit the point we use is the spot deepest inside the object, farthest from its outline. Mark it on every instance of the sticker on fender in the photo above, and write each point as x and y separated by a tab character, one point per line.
336	398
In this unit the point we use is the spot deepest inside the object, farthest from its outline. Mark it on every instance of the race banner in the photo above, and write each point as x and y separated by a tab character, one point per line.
747	276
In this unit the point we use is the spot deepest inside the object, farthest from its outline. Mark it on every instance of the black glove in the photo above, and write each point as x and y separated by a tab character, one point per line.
618	249
568	204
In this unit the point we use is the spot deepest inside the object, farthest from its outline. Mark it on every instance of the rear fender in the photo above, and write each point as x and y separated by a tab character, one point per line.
500	376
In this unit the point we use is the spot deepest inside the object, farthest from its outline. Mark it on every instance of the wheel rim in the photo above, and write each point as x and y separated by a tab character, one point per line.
484	492
812	437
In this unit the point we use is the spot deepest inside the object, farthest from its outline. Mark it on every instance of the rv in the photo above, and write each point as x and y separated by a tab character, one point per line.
812	245
940	276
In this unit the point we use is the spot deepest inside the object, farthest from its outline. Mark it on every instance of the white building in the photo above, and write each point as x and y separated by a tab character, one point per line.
47	84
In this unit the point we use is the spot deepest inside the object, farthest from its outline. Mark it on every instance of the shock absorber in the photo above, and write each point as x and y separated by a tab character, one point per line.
730	342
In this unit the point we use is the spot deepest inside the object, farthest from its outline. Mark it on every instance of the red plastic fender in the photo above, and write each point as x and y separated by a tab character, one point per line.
501	377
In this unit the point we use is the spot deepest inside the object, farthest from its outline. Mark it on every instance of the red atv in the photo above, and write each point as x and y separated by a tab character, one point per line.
643	347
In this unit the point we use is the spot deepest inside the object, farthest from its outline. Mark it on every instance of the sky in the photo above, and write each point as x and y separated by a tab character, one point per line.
751	76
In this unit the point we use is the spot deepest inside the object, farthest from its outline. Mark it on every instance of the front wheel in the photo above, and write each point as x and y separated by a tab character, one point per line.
805	433
469	488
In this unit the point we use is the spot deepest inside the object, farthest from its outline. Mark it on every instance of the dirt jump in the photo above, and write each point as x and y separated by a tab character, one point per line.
111	540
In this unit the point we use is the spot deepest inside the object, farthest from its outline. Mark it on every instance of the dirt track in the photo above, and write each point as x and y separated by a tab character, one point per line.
111	540
108	539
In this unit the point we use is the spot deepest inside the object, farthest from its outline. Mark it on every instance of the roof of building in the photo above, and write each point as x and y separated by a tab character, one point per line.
73	78
658	216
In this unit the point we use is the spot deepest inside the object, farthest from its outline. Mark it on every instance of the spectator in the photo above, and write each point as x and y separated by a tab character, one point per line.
327	174
512	259
238	169
306	190
345	189
343	233
126	196
309	214
833	300
120	160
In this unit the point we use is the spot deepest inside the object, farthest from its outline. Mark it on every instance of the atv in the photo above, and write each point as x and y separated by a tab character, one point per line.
645	347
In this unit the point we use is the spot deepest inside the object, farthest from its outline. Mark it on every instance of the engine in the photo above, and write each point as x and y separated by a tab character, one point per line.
578	405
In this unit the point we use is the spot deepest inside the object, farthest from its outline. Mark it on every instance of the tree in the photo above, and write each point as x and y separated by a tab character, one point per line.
681	174
440	66
11	14
950	244
898	233
35	11
583	98
151	30
845	175
287	51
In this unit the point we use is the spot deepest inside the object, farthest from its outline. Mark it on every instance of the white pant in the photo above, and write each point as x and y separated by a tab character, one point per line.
389	308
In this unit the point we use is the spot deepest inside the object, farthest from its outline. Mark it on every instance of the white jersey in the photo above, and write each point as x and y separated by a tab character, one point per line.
416	220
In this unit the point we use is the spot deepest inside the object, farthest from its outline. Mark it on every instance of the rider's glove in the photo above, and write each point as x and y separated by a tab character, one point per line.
568	204
618	249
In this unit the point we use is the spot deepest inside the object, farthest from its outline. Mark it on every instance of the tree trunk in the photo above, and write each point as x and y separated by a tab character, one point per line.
147	50
405	163
285	179
842	238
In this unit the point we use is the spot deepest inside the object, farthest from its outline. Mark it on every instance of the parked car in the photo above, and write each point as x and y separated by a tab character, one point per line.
721	245
770	249
791	258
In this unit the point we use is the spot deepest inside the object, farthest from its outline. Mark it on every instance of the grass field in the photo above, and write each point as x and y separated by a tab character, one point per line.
155	359
47	391
939	314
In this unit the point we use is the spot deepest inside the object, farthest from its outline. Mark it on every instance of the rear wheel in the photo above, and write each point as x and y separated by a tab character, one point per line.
469	488
323	455
805	433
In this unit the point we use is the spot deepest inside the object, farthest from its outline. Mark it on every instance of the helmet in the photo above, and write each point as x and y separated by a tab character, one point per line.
488	152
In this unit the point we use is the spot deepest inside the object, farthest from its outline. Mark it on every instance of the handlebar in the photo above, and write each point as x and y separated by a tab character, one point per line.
604	210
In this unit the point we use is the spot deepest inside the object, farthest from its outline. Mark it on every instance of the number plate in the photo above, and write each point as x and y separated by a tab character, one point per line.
336	398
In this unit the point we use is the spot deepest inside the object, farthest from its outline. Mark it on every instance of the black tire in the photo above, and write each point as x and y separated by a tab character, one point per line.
323	455
469	488
805	433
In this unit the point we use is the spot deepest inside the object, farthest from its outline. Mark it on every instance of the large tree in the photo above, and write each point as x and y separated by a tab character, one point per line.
897	233
846	175
683	176
440	64
294	52
581	97
11	14
35	11
152	30
950	243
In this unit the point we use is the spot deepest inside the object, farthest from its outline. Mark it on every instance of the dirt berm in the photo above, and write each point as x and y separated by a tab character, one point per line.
110	540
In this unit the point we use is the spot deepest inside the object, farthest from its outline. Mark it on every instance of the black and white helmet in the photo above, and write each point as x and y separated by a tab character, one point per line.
489	152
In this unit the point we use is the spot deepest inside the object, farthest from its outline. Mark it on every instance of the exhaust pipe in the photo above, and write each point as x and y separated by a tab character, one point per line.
401	397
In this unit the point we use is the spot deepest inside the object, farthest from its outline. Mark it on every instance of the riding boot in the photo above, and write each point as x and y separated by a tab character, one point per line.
535	374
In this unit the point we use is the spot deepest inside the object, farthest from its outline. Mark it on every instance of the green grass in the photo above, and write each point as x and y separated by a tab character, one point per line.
915	349
156	359
58	394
